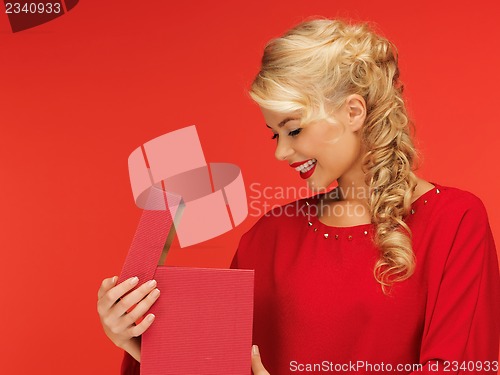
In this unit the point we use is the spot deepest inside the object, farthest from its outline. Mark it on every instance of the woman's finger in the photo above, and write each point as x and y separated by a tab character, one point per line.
113	294
140	328
141	308
133	298
106	285
257	366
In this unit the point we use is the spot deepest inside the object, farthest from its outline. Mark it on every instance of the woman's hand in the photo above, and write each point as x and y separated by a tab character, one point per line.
257	366
116	319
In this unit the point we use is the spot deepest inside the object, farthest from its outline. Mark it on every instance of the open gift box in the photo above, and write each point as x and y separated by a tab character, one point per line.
203	321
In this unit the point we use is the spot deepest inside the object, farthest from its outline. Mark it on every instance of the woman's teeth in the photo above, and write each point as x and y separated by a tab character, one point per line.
306	166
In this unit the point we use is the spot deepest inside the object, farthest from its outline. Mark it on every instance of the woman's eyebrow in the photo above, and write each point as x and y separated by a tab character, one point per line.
282	123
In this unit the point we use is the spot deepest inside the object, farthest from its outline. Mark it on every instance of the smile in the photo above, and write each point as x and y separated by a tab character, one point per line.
307	166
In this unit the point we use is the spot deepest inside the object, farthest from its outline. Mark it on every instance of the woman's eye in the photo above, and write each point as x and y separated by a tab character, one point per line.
293	133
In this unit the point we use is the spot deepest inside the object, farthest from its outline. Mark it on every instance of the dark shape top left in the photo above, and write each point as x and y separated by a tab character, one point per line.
27	14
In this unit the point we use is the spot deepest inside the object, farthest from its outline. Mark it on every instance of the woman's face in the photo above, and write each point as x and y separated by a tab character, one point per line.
322	152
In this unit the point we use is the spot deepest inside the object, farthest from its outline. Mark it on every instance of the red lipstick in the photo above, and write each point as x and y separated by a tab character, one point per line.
308	173
295	165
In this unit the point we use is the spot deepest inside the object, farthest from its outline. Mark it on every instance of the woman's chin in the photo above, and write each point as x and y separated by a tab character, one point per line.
317	186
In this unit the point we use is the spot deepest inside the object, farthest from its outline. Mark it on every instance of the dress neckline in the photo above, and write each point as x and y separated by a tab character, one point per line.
313	220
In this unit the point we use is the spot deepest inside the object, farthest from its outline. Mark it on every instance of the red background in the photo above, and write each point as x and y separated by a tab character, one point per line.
78	94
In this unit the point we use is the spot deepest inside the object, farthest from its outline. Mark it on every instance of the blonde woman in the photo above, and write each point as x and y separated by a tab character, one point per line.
385	273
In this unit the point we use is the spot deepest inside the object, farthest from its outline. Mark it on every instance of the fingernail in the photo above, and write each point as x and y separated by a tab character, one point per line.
155	293
152	283
255	350
113	280
134	280
150	317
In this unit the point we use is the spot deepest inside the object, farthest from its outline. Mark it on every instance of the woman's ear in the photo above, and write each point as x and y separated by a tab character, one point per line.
355	107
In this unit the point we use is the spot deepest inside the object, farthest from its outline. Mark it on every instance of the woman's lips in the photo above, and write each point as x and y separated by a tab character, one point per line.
306	175
305	168
299	163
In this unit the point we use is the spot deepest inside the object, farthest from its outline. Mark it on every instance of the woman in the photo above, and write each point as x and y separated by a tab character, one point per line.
386	272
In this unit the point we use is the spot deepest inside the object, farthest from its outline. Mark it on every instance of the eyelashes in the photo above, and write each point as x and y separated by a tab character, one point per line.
293	133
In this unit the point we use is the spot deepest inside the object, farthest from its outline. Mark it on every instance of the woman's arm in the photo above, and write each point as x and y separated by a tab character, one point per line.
461	333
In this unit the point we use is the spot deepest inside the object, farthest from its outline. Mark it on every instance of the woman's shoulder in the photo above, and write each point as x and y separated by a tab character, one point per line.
453	228
455	200
445	207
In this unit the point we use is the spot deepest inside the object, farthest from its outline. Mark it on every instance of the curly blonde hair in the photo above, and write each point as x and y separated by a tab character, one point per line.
312	68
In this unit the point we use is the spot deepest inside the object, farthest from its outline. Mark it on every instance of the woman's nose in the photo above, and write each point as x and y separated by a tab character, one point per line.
283	150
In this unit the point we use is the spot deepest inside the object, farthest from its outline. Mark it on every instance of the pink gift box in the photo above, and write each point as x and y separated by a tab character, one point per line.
203	323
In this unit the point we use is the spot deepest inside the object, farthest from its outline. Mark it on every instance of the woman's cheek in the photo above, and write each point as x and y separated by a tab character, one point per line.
325	134
332	133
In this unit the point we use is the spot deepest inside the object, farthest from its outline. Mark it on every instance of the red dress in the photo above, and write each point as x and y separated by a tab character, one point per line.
318	307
